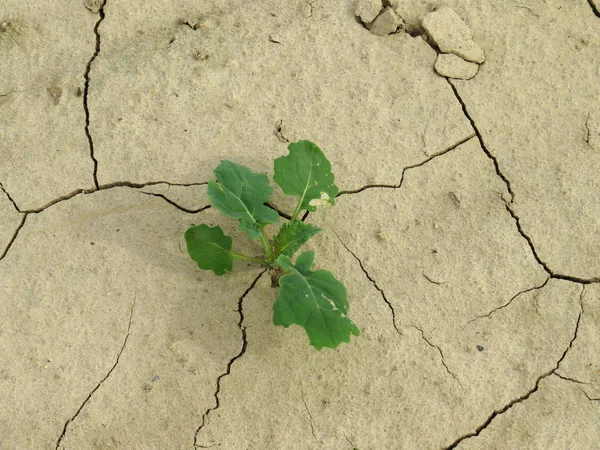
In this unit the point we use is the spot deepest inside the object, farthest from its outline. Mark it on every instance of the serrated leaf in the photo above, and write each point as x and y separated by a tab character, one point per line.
210	248
314	300
306	173
242	194
292	235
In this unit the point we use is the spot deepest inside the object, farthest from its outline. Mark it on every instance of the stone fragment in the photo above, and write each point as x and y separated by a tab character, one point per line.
387	22
452	35
367	10
94	5
452	66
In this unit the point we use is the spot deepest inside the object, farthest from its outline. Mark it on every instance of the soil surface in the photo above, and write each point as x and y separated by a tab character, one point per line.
466	229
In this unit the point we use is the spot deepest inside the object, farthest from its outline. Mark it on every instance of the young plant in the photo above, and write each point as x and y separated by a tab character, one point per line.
313	299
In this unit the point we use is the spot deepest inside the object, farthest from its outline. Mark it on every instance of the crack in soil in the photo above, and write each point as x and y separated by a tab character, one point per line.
86	88
527	8
278	211
312	8
205	207
528	394
480	139
439	283
64	431
545	266
9	197
312	421
14	237
572	380
413	166
11	93
373	282
242	328
104	187
350	442
279	132
591	399
176	205
452	374
588	133
594	8
535	288
512	197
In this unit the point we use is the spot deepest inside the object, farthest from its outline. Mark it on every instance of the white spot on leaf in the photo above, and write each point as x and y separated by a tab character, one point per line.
323	201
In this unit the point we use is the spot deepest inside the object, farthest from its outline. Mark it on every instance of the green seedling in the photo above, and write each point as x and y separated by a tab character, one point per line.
312	299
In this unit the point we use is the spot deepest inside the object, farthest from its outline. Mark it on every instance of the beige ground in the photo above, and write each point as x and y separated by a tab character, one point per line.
466	232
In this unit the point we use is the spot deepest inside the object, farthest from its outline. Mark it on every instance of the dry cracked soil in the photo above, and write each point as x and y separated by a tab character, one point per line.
466	229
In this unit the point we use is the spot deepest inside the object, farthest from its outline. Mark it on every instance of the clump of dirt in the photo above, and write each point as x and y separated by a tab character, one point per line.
379	16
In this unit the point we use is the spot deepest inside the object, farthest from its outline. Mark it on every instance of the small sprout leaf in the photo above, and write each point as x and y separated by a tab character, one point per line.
292	235
242	194
315	300
306	173
210	248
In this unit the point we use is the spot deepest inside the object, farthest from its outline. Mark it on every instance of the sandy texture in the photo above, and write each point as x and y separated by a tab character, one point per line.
466	230
103	296
530	102
553	418
44	149
375	95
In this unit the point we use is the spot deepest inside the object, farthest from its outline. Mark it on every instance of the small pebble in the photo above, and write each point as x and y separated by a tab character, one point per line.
480	348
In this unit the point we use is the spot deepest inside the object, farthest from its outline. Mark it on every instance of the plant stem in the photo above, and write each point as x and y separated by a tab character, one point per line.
266	245
249	258
297	211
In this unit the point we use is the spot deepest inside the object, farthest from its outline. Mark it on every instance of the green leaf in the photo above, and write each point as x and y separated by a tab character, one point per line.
292	235
306	173
241	194
314	300
210	248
